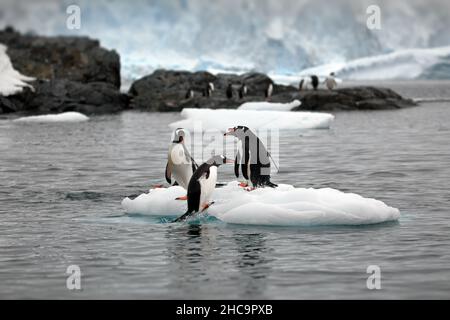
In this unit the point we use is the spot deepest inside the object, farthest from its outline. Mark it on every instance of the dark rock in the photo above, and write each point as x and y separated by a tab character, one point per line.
74	58
166	91
62	95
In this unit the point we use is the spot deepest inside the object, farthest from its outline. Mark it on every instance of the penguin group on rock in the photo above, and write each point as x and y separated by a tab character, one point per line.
252	159
313	80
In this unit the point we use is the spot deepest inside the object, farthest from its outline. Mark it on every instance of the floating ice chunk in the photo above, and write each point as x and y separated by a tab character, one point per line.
221	119
60	117
11	81
269	106
282	206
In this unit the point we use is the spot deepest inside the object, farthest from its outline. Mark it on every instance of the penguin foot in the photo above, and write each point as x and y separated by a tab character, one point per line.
182	198
207	205
243	184
250	189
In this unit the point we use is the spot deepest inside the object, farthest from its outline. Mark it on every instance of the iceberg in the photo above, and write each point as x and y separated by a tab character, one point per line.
269	106
60	117
11	81
282	206
221	119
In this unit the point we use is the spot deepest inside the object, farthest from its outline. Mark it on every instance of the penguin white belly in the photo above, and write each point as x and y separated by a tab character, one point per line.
207	186
182	174
181	166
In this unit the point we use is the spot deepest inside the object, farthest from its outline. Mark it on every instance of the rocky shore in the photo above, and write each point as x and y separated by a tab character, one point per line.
77	74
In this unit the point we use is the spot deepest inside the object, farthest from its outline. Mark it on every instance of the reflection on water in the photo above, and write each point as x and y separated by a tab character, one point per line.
62	185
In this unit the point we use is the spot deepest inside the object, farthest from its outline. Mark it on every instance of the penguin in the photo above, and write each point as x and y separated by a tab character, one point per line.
208	90
330	81
229	91
269	90
201	186
189	94
211	86
314	81
180	165
300	85
253	158
242	91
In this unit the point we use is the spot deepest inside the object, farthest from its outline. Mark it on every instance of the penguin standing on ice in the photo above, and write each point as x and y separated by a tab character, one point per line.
330	81
229	91
269	90
253	158
180	164
201	186
315	81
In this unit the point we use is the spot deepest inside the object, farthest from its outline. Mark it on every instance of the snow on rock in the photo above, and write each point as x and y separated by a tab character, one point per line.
60	117
11	81
221	119
269	106
282	206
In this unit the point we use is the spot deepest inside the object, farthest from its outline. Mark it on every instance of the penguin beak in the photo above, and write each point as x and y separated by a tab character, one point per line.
230	132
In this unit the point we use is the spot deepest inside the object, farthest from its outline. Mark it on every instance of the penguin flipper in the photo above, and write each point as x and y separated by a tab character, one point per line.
168	172
236	165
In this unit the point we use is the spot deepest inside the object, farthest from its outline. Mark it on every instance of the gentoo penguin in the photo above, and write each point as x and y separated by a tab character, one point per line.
253	157
189	94
180	164
211	86
300	85
330	82
242	91
202	185
229	91
314	81
269	91
208	90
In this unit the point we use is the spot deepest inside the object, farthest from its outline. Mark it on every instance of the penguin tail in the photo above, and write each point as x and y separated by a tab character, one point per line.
183	217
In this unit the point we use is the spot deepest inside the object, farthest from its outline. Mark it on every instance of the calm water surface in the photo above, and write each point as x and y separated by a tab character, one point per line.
62	184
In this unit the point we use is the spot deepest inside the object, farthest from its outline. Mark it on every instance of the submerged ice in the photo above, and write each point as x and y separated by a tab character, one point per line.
282	206
60	117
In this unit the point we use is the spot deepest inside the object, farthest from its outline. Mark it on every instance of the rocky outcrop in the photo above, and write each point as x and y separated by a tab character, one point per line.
72	74
166	91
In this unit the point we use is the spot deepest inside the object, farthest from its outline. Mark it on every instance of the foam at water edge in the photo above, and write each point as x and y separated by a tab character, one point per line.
283	206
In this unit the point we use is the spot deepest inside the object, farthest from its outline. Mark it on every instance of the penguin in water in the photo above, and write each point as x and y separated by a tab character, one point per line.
269	90
330	81
315	81
253	158
180	164
229	91
202	185
189	94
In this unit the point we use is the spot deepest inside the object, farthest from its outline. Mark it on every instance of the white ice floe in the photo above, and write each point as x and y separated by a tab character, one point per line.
269	106
11	81
221	119
60	117
282	206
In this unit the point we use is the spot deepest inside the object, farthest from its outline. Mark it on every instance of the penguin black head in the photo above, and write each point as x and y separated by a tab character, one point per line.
236	131
179	136
219	160
332	74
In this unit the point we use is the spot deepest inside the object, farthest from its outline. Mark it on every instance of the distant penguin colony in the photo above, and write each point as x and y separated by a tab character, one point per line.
330	81
269	90
201	186
189	94
315	81
243	91
229	91
253	158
